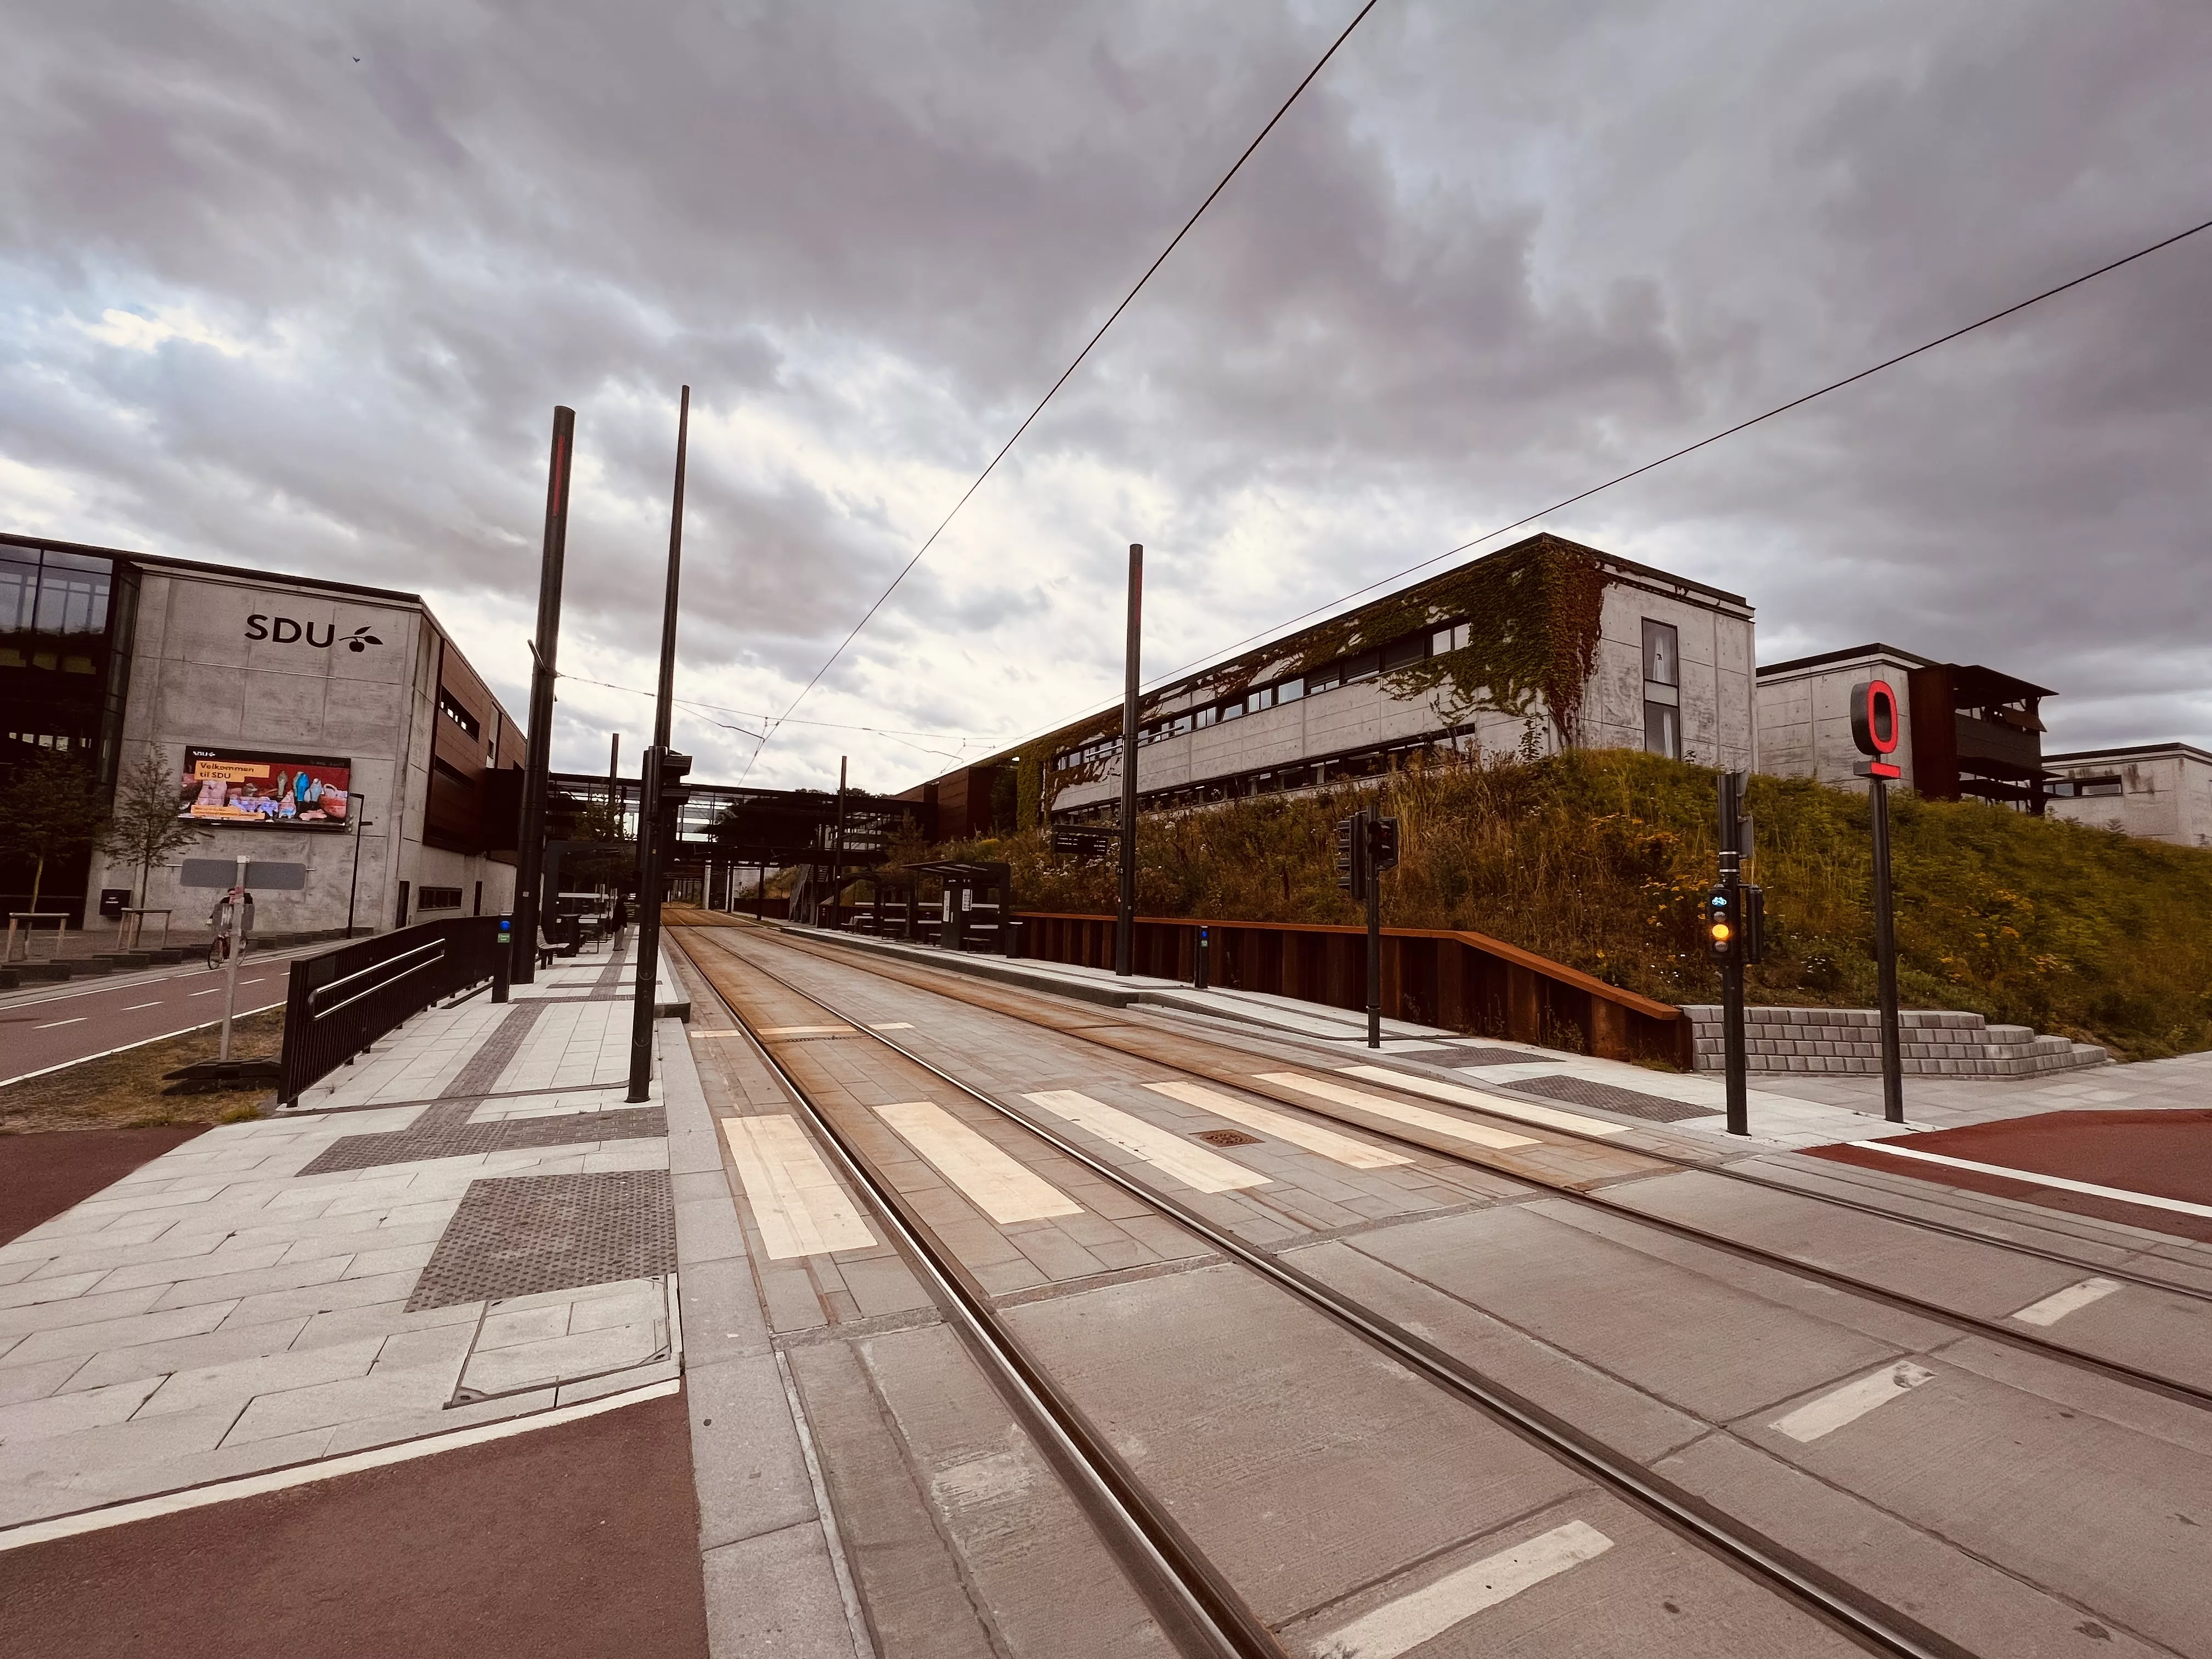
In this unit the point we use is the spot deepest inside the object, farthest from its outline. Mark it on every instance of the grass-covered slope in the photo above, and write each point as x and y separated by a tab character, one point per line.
1598	859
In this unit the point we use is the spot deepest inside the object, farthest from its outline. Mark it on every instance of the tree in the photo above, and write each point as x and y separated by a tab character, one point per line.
49	809
146	828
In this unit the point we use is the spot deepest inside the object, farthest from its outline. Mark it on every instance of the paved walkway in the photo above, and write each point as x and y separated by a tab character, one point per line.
467	1225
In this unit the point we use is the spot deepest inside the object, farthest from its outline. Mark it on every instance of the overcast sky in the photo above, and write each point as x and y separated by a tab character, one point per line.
297	288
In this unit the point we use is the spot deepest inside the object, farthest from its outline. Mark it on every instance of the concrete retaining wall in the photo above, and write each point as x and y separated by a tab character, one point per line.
1935	1043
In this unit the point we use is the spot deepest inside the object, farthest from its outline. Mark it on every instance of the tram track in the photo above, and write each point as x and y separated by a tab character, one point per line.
1203	1606
1172	1050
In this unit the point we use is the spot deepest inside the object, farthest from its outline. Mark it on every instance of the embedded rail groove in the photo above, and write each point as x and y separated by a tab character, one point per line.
1813	1588
1197	1608
1905	1301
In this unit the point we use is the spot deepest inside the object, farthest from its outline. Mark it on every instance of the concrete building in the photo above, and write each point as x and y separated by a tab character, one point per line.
1968	731
1669	670
303	721
2159	791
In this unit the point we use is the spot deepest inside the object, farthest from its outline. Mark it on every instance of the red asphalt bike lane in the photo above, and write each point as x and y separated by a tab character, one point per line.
2163	1154
69	1025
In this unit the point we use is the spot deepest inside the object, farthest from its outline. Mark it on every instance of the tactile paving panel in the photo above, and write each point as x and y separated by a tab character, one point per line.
1495	1057
1629	1102
522	1235
444	1131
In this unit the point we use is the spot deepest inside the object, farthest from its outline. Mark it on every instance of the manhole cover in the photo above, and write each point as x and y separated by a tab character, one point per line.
1227	1138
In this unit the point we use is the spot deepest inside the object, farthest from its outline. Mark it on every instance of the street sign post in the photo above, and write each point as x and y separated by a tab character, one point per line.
1875	731
1089	843
240	876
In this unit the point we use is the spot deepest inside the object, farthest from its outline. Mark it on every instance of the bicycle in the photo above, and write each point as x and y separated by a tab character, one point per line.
218	950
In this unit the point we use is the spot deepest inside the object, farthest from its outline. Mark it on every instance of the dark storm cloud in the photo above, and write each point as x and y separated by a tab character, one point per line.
1497	253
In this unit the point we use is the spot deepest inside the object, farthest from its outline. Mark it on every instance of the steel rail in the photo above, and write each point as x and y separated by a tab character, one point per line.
1189	1594
1794	1264
1809	1586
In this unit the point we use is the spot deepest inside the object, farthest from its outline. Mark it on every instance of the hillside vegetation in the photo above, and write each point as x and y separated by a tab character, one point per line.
1598	859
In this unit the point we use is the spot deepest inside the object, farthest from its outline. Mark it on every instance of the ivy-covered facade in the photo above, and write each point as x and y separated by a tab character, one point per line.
1544	645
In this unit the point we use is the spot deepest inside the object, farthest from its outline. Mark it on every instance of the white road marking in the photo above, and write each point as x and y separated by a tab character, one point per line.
1852	1402
125	1047
1163	1149
2055	1306
1420	1117
996	1182
1459	1095
894	1025
135	1006
800	1208
2150	1201
1311	1136
1397	1626
801	1030
210	991
52	1024
117	1515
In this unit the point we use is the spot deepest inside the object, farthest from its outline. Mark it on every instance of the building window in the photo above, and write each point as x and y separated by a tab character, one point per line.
450	707
1454	638
1662	696
2093	786
1290	690
438	898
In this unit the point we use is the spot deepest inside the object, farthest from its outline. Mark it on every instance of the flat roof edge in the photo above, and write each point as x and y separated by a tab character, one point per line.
15	539
2132	751
1822	658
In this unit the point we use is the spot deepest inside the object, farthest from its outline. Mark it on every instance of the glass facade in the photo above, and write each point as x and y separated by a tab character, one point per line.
67	621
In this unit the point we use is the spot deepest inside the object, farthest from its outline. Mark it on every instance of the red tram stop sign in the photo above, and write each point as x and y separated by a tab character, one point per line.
1875	727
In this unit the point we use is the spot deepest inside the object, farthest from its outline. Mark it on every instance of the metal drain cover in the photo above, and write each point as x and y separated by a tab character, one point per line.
1227	1138
522	1235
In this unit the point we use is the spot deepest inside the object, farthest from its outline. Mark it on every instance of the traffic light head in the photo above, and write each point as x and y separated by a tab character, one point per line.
1349	863
1382	845
1722	924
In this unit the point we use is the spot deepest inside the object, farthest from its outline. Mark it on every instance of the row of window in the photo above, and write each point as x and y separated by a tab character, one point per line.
1301	774
450	707
48	591
1347	670
1662	696
2080	789
437	899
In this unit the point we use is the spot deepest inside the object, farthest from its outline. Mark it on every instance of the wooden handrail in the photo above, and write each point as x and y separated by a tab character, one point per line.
1496	947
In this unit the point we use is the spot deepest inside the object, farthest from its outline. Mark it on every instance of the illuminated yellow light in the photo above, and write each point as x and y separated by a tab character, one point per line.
1720	930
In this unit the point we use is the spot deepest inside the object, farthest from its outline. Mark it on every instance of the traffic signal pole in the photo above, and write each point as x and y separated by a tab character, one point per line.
649	815
1731	885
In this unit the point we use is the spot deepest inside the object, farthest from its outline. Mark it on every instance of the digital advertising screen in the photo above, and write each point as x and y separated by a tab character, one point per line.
262	791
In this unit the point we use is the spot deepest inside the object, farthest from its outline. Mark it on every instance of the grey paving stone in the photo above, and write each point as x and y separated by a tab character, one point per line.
394	1427
237	1382
776	1595
747	1461
83	1310
153	1359
415	1389
720	1311
326	1297
707	1230
58	1288
112	1449
90	1339
555	1359
20	1382
67	1413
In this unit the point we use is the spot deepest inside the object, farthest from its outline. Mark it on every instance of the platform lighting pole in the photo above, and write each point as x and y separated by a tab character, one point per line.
1884	955
614	764
1125	910
530	854
648	814
837	857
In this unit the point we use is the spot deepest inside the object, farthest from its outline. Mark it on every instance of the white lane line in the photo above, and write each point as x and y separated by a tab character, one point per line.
1163	1149
996	1182
1397	1626
1311	1136
800	1208
2149	1200
802	1030
2055	1306
210	992
1459	1095
125	1047
52	1024
1852	1402
145	1508
894	1025
135	1006
1420	1117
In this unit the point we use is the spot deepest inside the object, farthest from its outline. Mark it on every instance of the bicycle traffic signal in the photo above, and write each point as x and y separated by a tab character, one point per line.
1721	925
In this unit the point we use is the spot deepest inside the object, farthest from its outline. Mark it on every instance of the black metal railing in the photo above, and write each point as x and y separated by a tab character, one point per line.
343	1000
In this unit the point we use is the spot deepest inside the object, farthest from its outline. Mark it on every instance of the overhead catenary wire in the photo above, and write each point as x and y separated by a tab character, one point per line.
1673	455
966	494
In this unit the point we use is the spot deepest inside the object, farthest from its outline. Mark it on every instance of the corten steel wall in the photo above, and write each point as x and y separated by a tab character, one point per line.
1464	981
